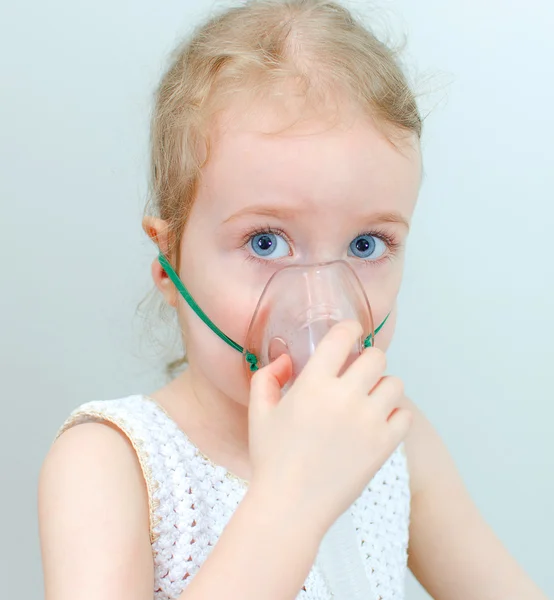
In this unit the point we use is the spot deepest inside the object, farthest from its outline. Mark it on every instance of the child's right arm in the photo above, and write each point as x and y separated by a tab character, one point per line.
94	518
312	452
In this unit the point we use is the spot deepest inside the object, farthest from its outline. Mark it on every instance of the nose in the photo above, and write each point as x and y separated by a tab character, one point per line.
323	252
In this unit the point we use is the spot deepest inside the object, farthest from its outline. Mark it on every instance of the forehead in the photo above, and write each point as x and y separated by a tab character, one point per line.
312	165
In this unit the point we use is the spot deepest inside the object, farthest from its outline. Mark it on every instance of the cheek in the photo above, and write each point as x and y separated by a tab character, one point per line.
231	310
382	295
220	364
384	337
225	291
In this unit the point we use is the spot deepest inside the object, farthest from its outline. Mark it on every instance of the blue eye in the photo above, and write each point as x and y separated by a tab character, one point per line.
367	246
269	245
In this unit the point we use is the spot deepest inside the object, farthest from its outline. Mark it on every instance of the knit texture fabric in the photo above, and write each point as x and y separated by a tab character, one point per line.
191	500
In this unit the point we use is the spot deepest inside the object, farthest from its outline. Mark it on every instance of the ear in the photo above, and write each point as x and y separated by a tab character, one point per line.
158	231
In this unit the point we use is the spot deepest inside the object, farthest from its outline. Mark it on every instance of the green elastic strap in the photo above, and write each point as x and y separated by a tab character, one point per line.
250	358
368	342
192	303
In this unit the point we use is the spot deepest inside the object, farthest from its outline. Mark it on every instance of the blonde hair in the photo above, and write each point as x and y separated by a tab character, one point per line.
253	47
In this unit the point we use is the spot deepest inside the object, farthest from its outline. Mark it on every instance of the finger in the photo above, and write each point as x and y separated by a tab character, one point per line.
386	396
266	384
281	368
333	350
367	370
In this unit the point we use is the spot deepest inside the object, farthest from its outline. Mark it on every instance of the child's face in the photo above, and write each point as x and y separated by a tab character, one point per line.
313	193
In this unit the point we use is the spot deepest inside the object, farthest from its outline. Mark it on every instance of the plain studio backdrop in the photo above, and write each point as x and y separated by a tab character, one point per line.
475	332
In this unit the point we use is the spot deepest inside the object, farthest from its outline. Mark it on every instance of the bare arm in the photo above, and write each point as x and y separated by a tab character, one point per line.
453	552
94	521
94	524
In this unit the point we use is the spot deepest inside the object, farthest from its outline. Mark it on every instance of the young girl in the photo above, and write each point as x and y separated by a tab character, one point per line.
283	134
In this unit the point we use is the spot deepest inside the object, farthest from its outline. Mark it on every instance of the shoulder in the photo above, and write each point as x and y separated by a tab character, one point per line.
129	413
429	460
100	442
90	467
90	449
108	442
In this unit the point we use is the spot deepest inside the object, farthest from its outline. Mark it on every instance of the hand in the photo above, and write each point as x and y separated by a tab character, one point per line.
324	440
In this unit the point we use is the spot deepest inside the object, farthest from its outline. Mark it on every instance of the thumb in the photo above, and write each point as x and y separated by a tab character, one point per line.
266	384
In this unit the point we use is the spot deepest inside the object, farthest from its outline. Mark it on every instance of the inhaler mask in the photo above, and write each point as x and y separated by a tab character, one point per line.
296	309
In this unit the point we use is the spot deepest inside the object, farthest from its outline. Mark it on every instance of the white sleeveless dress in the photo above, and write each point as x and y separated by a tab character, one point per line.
191	500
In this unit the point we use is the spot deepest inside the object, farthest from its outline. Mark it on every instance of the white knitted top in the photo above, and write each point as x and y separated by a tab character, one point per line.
191	500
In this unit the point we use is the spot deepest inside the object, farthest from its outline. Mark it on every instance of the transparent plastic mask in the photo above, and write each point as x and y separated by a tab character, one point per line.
299	305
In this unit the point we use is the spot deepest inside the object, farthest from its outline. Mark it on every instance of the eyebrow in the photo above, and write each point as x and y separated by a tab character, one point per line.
287	213
263	211
391	217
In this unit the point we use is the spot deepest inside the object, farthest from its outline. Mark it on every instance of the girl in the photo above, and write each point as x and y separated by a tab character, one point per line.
284	134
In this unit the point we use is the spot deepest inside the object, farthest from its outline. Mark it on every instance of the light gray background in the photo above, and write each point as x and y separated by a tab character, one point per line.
474	340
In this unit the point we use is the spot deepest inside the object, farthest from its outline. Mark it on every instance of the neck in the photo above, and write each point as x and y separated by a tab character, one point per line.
213	422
